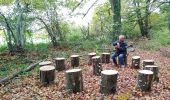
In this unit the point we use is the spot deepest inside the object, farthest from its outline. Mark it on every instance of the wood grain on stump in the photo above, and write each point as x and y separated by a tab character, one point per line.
145	79
108	81
96	63
44	63
74	80
148	62
90	57
74	60
154	69
105	57
136	62
47	74
60	64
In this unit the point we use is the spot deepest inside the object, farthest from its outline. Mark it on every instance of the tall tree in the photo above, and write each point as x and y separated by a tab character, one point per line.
116	9
15	25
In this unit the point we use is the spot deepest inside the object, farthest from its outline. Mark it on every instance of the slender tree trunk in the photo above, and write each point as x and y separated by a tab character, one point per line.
146	19
139	17
169	17
116	9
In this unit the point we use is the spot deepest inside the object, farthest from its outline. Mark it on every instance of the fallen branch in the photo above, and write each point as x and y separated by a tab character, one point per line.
29	68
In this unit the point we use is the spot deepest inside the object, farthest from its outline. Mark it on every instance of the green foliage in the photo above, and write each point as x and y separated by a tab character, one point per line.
3	48
159	39
6	2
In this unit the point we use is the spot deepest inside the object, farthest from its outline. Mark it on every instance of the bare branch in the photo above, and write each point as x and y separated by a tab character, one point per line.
90	8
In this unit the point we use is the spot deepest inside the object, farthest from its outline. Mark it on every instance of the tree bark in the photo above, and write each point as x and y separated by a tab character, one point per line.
136	62
147	62
97	67
145	80
146	18
105	57
108	81
90	57
44	63
74	80
169	17
60	64
116	9
74	60
47	74
154	69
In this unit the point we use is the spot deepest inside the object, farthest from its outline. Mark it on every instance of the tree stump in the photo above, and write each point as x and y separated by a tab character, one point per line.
90	57
74	80
44	63
136	62
145	80
47	74
97	67
148	62
154	69
105	57
74	60
108	81
60	64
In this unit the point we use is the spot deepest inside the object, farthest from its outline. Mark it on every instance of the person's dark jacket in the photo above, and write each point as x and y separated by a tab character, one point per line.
123	47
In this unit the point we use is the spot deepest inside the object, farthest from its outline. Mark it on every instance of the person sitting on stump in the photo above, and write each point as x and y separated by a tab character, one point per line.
120	51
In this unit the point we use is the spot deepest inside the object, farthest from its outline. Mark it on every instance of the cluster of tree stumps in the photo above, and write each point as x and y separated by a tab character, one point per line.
146	76
108	83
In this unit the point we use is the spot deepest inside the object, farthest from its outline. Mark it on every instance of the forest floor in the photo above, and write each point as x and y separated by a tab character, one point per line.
28	86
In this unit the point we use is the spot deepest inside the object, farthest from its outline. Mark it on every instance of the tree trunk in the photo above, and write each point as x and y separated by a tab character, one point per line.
44	63
105	57
147	62
154	69
116	9
60	64
47	74
74	80
136	62
108	81
97	67
145	80
90	57
146	18
75	61
139	17
169	17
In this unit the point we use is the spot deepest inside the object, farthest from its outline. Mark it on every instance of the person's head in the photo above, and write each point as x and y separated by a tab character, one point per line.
121	38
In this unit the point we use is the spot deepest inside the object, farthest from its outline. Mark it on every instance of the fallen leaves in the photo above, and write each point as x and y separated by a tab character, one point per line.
29	86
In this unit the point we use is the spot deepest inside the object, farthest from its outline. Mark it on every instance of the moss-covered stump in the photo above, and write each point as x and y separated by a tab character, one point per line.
136	62
47	74
147	62
108	81
60	64
105	57
97	67
44	63
74	80
145	79
75	60
90	57
154	69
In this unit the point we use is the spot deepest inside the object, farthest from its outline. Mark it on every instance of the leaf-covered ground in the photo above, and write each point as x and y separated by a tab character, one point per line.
29	86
